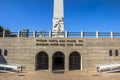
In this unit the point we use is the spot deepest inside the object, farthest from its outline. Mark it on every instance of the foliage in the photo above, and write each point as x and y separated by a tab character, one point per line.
7	31
1	28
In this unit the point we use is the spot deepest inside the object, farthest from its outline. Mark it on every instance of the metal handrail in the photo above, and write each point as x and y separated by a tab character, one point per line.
65	34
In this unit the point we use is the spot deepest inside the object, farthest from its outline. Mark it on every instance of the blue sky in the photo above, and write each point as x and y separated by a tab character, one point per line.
80	15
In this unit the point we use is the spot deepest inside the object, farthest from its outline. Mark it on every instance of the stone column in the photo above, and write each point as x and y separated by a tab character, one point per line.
112	35
97	34
50	34
3	33
82	34
19	34
34	34
66	61
50	62
66	34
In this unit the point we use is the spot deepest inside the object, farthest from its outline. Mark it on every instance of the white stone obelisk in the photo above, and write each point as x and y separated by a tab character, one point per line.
58	19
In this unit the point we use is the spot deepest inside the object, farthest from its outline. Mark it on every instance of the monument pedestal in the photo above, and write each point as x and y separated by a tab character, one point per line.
58	34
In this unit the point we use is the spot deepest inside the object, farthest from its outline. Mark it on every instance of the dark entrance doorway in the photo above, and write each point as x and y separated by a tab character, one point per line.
58	61
74	61
42	61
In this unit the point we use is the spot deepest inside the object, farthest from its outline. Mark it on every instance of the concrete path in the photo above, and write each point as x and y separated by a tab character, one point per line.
71	75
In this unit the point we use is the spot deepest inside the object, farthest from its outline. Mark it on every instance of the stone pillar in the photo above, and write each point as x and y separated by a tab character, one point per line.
34	34
66	61
97	34
50	34
19	34
50	62
66	34
3	33
112	35
82	34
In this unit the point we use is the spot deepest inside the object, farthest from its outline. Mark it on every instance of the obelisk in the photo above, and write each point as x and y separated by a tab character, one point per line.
58	19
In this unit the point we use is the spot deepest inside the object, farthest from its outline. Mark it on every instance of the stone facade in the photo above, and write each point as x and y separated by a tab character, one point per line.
92	52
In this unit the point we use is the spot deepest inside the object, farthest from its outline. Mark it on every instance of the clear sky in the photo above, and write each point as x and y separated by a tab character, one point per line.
80	15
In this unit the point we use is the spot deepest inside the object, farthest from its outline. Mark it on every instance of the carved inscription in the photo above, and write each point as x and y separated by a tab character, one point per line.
56	42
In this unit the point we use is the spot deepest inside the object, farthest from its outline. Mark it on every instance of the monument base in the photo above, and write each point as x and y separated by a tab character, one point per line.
58	34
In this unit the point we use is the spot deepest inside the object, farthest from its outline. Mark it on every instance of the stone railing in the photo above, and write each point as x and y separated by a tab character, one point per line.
65	34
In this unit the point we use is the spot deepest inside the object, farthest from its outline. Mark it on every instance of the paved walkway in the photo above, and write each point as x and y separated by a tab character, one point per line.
71	75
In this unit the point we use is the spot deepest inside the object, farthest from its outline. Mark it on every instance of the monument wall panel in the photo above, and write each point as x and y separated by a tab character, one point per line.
93	51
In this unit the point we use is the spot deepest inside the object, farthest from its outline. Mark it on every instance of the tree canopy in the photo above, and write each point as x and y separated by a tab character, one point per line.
1	28
7	31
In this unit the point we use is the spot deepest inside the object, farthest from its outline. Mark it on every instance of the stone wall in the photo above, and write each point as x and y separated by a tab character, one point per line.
93	51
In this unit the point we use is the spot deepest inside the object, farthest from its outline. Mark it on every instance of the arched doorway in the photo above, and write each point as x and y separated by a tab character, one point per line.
42	61
58	61
74	61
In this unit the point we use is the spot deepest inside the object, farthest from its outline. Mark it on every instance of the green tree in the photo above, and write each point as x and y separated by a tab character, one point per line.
1	31
1	28
7	31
